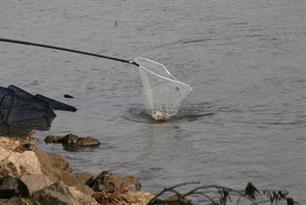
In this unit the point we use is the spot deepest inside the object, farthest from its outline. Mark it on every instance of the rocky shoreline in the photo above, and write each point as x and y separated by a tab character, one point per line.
30	176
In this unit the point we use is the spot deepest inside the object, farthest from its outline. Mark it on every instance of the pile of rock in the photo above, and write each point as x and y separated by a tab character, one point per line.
29	176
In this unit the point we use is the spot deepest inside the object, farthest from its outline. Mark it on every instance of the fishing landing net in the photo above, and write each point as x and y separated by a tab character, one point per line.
163	93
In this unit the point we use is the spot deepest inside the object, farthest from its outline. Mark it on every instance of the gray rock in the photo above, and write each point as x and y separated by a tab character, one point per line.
11	186
57	193
60	194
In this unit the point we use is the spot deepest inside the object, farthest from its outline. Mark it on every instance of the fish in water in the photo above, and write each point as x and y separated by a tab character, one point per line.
159	116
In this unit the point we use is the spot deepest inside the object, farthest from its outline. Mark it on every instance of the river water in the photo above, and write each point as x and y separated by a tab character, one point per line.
245	60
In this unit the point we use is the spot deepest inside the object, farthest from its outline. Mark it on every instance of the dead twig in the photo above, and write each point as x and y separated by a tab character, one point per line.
221	195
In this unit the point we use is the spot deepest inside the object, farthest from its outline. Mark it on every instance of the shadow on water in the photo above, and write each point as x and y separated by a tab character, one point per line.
21	112
22	128
188	113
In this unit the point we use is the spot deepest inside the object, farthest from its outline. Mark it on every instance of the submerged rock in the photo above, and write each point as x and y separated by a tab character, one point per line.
107	181
73	142
52	139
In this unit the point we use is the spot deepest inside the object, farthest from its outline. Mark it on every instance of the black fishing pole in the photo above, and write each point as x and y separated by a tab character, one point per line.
67	50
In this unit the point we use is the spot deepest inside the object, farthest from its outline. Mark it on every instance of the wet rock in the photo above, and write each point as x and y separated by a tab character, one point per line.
69	139
52	139
35	182
12	186
107	181
59	193
73	142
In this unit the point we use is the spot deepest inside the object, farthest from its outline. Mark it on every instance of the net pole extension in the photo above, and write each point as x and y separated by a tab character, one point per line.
67	50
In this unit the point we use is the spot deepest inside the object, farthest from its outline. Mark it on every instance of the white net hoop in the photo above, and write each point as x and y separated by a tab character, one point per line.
163	93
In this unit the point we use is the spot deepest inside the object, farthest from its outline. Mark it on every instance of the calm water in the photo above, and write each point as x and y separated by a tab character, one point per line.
244	59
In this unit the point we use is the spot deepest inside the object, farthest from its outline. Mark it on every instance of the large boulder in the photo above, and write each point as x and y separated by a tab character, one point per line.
35	182
24	163
107	181
57	168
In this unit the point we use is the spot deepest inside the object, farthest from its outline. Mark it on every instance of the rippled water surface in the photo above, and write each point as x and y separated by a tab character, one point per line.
245	120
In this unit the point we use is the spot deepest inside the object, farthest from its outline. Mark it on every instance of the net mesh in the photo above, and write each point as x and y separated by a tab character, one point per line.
163	93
